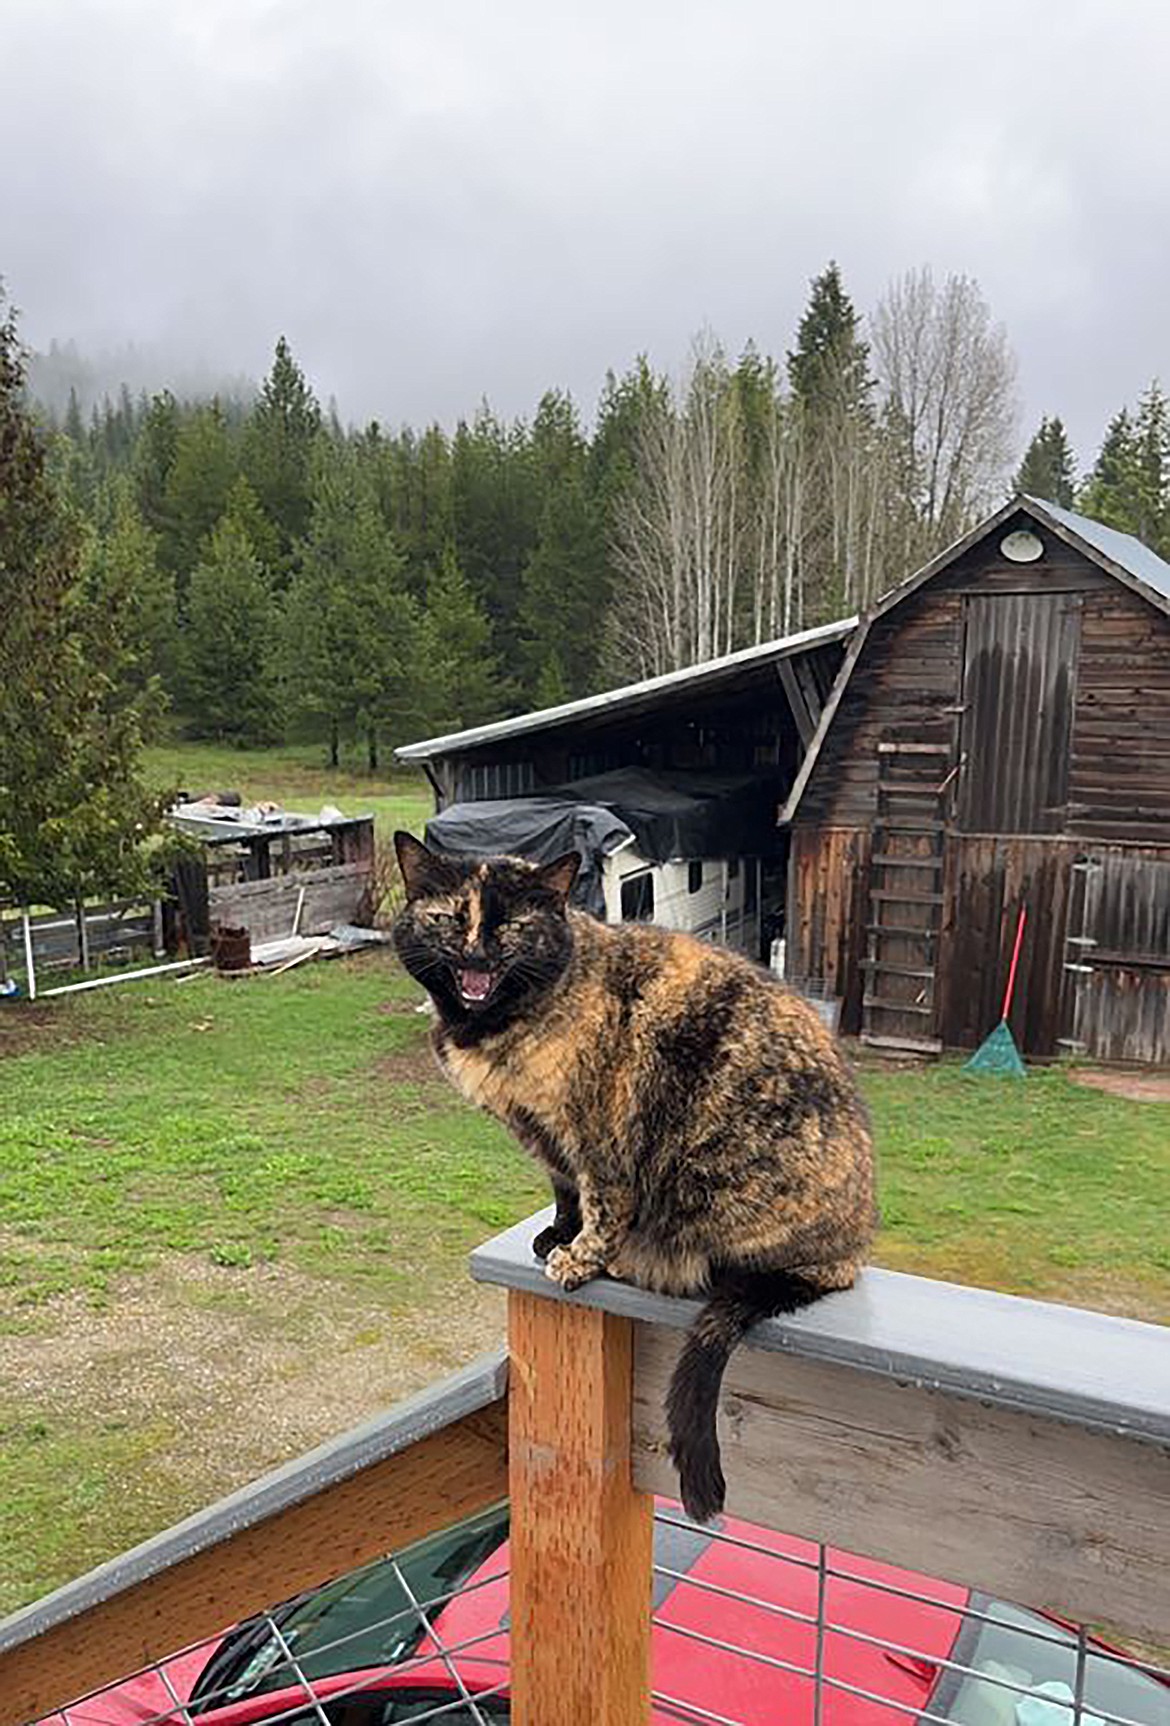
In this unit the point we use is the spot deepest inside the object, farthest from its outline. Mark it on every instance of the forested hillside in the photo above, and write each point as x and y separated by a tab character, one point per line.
295	576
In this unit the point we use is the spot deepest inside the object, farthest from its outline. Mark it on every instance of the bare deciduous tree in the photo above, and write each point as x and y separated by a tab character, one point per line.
678	536
758	510
948	378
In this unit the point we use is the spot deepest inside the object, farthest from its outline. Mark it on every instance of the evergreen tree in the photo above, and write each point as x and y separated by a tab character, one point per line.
832	390
197	488
829	367
278	447
153	459
122	570
552	686
1103	495
462	684
411	476
625	405
75	817
1129	487
229	671
351	630
245	507
564	583
418	501
1047	469
74	427
1152	524
72	471
495	515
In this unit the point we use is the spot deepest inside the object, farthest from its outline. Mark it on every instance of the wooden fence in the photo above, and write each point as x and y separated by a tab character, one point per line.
268	909
1009	1445
61	939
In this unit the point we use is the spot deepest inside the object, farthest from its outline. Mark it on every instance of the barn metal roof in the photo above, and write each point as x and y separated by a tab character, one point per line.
1122	549
631	696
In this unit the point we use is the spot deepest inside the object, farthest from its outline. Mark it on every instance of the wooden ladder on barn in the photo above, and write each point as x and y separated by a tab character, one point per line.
905	897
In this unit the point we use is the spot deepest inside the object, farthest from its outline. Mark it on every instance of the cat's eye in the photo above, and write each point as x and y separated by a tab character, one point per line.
442	919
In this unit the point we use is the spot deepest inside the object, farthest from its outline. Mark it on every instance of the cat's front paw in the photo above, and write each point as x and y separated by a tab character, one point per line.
548	1240
569	1268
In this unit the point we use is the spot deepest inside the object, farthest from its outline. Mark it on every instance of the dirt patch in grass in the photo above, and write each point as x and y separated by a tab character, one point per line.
413	1065
27	1027
246	1366
217	1375
1135	1087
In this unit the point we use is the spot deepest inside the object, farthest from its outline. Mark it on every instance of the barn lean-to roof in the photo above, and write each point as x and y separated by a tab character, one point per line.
631	698
1118	554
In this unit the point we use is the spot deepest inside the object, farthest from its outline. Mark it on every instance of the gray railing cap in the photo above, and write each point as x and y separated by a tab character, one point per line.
1087	1367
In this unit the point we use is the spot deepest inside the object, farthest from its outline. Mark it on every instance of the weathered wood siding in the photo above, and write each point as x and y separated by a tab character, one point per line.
1118	1008
1019	674
988	880
121	928
1119	781
905	688
267	909
908	683
826	924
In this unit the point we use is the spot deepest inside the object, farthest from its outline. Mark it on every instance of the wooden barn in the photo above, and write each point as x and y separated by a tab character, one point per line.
997	740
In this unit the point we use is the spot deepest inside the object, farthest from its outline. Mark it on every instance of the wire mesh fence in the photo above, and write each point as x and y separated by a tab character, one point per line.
750	1628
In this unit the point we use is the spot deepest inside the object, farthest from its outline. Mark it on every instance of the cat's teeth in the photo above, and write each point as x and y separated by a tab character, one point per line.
475	985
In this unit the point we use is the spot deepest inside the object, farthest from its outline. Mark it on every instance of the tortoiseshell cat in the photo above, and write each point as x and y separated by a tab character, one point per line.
701	1130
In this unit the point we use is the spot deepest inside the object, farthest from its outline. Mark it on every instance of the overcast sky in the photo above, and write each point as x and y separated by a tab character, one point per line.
448	199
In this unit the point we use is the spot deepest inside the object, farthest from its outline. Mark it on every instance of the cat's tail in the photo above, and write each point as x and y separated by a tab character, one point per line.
738	1301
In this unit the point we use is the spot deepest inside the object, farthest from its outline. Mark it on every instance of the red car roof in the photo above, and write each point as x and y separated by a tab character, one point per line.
779	1575
734	1637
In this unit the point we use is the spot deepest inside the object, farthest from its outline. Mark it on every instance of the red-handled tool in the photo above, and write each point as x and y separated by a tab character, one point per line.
998	1053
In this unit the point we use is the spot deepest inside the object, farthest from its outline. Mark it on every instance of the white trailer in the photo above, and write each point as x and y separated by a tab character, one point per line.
715	899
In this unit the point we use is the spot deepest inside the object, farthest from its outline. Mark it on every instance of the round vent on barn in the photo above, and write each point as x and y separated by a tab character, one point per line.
1022	547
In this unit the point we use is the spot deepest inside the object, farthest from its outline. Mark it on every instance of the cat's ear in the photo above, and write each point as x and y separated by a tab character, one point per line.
423	872
559	875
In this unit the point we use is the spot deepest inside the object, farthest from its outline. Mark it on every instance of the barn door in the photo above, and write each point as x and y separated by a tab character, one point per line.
1019	678
1118	963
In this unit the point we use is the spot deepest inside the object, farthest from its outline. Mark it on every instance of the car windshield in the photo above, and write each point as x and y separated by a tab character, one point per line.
363	1620
1012	1646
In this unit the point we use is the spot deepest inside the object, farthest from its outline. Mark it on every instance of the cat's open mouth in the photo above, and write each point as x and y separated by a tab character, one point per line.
475	987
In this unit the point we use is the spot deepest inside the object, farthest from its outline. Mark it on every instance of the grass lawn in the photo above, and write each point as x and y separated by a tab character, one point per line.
297	776
274	1156
231	1211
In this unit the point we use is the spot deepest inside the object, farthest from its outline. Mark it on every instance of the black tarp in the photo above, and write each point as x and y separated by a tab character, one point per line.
669	816
539	828
688	814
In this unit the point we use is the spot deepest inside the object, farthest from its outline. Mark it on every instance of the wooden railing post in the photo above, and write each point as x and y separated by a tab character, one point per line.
582	1536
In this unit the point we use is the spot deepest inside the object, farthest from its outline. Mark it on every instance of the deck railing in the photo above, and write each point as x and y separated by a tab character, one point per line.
1010	1446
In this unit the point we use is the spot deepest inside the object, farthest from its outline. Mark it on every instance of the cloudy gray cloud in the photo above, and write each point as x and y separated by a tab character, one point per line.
484	197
